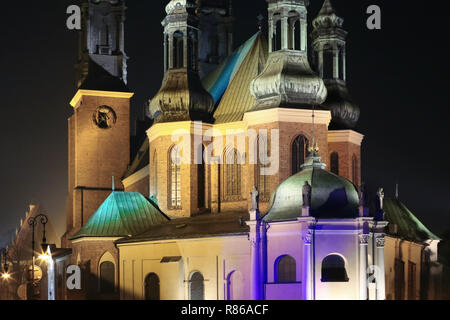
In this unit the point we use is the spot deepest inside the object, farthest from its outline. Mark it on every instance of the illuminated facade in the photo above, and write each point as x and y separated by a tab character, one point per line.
248	185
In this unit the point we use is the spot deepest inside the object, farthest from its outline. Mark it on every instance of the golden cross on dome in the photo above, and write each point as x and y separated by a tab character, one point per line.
314	148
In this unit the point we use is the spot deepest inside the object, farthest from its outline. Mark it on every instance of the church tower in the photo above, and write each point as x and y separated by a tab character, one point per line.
180	102
216	40
99	129
102	38
329	44
289	93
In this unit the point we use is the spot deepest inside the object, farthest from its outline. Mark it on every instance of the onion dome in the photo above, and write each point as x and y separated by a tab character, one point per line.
288	81
344	112
332	197
182	98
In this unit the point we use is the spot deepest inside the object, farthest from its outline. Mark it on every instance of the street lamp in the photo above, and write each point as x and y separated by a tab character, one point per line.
5	275
33	221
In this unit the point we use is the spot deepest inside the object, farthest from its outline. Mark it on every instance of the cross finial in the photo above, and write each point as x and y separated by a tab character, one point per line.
314	146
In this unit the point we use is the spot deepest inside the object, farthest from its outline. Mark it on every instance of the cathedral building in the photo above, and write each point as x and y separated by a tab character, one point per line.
248	184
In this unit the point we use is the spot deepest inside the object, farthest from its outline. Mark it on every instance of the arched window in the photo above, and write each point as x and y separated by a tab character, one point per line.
294	31
328	59
285	270
201	178
197	286
261	177
334	163
154	175
175	178
178	49
107	277
277	32
333	269
355	173
232	175
152	289
299	153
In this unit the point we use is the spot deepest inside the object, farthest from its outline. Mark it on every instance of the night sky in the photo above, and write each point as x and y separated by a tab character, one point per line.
397	75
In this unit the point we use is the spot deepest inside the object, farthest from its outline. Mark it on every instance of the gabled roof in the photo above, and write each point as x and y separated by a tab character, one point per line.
408	226
141	160
203	226
229	84
122	214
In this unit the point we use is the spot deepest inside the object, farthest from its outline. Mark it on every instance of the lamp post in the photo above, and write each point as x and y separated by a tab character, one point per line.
4	254
33	221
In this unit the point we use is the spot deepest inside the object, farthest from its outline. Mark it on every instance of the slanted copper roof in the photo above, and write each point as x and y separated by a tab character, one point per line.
408	226
122	214
141	160
229	84
208	225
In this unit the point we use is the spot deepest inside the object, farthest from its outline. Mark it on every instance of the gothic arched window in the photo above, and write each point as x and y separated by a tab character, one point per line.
334	163
152	289
178	50
197	286
175	178
355	175
261	177
232	175
299	153
285	270
333	269
107	277
201	178
154	175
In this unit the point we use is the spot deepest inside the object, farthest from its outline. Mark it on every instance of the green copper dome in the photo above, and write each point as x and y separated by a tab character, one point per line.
331	196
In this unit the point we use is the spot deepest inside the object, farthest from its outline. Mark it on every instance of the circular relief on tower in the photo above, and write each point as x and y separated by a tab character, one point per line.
104	117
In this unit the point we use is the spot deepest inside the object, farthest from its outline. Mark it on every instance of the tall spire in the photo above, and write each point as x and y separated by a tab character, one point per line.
101	40
182	96
329	44
287	80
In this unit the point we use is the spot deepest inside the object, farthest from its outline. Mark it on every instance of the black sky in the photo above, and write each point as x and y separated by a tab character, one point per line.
398	76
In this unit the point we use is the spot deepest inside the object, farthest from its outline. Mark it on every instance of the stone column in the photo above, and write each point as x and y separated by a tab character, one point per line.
255	259
335	64
381	279
271	27
363	244
284	32
307	278
304	35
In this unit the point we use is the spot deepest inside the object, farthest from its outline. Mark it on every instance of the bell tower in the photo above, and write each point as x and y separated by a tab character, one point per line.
329	44
181	103
102	38
99	129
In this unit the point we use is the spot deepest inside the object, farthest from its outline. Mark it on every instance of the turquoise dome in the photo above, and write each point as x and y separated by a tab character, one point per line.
332	197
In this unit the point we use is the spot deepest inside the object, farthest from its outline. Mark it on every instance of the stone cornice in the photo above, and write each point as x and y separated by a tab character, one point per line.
287	115
345	136
95	93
